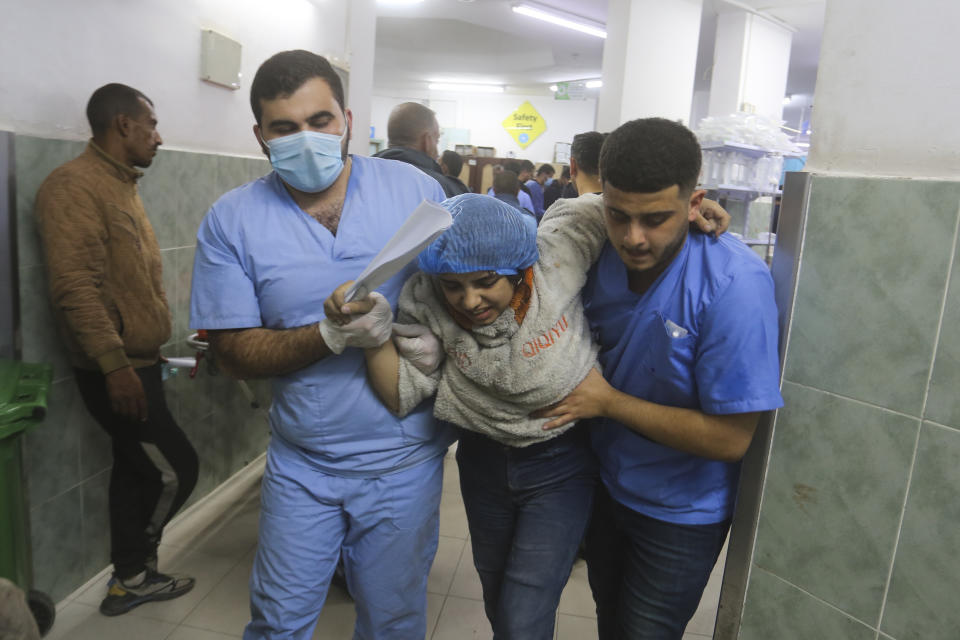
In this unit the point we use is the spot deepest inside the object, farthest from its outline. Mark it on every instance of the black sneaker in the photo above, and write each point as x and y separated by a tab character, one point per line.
155	586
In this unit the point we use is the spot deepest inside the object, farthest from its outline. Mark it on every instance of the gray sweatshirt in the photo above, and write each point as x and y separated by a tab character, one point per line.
495	375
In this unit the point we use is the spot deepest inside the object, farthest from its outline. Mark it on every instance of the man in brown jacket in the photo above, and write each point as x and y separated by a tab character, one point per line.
104	270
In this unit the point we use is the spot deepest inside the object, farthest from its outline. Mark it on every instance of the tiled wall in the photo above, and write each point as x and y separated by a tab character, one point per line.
67	458
858	534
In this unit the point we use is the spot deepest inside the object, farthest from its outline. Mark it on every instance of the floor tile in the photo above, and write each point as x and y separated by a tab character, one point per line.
466	582
453	517
576	628
445	564
227	607
434	607
338	617
576	599
192	633
226	527
79	621
462	619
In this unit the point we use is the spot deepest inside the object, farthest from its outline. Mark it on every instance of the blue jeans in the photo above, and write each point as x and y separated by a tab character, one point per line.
528	510
647	575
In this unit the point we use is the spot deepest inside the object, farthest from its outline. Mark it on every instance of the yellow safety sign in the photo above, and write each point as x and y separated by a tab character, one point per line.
525	125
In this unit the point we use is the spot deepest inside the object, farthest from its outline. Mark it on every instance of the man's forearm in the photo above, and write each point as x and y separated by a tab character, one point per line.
715	437
383	370
264	353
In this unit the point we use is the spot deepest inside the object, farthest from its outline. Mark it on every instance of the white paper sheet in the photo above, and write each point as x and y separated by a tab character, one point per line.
426	222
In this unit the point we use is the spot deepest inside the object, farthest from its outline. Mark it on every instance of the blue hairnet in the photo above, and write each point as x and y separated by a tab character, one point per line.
487	235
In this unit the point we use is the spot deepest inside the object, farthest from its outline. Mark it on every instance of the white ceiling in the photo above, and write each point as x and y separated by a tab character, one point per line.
484	41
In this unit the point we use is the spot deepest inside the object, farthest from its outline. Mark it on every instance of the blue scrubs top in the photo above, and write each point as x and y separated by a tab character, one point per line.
524	199
703	337
261	261
536	196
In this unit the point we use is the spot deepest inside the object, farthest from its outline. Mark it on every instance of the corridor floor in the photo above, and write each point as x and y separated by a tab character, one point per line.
215	542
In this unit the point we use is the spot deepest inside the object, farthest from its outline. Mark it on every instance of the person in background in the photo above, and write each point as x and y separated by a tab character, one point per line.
506	187
554	189
535	186
342	472
687	326
585	162
106	289
452	164
412	137
517	168
524	170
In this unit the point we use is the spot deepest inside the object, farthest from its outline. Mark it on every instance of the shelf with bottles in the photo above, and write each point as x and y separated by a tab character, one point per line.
741	169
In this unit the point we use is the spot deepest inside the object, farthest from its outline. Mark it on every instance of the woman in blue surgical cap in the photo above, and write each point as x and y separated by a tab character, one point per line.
503	299
505	305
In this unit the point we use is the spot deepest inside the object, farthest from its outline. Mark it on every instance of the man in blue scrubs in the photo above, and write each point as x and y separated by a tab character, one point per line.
688	331
342	472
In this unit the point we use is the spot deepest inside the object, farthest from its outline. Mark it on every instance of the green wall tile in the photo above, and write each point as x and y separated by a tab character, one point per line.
57	547
872	278
922	602
96	524
176	192
41	339
52	448
943	401
835	485
776	610
34	159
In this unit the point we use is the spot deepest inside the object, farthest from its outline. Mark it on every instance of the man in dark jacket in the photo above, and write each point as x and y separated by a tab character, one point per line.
412	136
451	163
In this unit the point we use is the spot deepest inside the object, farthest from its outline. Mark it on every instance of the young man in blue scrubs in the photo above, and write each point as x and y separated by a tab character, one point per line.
342	472
687	326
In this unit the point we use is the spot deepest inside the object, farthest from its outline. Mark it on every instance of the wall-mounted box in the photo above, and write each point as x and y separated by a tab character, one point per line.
220	59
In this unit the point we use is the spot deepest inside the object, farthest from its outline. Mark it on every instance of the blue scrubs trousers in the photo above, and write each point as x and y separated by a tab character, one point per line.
387	526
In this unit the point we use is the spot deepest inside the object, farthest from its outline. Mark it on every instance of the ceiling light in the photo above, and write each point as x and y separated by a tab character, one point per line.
469	88
593	84
567	20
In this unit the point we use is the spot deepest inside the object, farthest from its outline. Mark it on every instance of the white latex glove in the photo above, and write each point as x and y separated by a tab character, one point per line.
365	331
417	344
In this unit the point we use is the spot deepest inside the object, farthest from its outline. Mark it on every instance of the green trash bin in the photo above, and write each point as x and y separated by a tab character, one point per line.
23	404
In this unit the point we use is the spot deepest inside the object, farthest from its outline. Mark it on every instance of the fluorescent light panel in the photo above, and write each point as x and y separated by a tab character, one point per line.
467	87
553	17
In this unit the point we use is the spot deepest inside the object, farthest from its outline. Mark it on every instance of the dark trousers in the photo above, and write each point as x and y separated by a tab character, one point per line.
528	510
154	469
647	575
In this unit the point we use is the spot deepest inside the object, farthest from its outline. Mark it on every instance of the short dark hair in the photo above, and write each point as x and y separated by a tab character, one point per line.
526	165
565	173
285	72
586	151
111	100
506	182
453	161
649	155
547	169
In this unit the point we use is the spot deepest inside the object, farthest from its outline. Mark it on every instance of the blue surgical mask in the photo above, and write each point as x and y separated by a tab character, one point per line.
548	182
308	161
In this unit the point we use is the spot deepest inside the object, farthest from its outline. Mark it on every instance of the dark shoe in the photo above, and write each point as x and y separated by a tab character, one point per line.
155	586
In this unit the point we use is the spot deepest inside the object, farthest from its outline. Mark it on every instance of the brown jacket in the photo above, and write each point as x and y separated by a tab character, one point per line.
103	263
